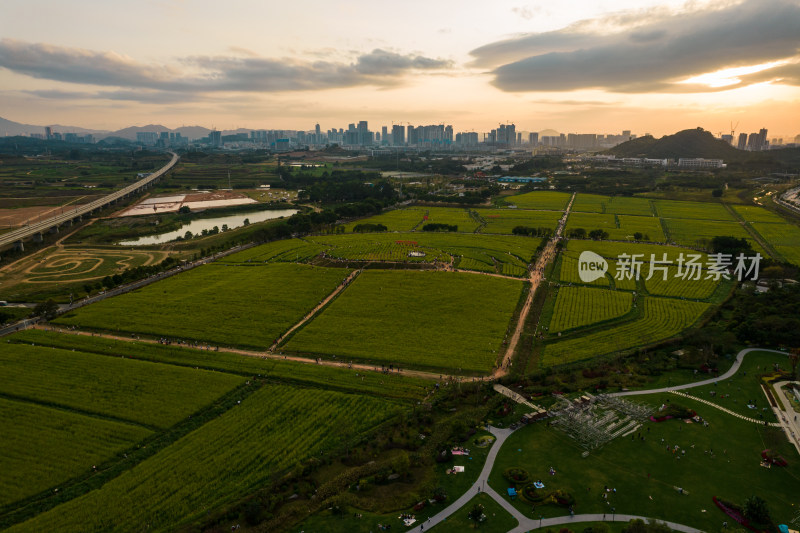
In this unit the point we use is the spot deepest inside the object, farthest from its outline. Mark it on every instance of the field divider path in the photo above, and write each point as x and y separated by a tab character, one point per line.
342	286
252	353
536	277
754	233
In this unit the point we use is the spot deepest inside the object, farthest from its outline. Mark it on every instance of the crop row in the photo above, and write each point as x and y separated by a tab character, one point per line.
661	319
436	320
43	447
227	458
581	306
127	389
220	304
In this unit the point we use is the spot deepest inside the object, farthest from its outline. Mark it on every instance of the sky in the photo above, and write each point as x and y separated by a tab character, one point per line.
575	66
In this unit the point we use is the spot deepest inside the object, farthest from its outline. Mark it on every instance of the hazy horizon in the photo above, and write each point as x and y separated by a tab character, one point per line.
650	66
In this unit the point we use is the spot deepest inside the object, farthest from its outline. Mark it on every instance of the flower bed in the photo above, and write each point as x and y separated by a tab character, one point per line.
517	475
773	458
735	512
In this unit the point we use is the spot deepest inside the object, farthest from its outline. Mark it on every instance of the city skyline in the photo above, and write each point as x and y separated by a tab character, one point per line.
652	66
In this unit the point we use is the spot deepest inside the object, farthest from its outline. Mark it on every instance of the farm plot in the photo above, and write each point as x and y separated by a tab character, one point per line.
43	447
569	272
227	458
692	210
505	220
331	378
649	227
661	319
125	389
752	213
396	220
699	289
699	233
591	221
547	200
220	304
785	238
619	205
580	306
289	250
436	320
87	264
452	216
484	253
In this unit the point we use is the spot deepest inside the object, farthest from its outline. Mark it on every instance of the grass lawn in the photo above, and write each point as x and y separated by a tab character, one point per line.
435	320
645	474
737	392
220	304
497	519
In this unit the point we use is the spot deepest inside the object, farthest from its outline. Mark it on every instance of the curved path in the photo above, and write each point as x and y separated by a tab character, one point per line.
528	524
725	409
731	371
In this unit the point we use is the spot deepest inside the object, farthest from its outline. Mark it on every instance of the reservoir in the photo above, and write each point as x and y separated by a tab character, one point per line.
197	226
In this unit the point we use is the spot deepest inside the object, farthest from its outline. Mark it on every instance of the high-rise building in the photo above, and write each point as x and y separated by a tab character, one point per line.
384	135
48	132
364	135
533	138
412	135
626	134
215	138
399	134
742	145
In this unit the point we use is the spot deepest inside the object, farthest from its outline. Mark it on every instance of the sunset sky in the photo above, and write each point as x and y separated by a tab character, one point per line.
596	66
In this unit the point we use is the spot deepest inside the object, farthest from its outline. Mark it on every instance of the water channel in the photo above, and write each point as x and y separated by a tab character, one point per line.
197	226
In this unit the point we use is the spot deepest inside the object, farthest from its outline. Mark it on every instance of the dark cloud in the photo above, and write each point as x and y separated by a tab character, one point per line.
651	55
205	74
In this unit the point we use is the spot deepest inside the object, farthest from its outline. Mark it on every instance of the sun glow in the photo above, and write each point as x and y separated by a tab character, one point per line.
731	76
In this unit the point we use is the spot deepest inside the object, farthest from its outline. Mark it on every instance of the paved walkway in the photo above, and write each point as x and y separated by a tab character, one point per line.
787	415
530	523
737	415
731	371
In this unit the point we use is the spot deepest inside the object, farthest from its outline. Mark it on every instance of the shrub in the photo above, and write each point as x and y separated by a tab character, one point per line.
517	475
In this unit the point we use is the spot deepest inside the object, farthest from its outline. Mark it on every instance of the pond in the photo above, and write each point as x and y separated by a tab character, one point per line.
197	226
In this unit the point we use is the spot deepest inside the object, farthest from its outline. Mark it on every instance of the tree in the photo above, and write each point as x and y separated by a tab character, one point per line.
578	233
476	513
638	236
47	310
598	234
755	510
187	235
184	210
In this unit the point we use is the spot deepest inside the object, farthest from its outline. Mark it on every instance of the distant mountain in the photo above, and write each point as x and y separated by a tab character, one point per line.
192	132
686	143
9	128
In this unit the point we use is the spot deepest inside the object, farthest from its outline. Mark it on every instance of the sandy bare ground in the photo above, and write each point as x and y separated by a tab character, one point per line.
537	273
14	218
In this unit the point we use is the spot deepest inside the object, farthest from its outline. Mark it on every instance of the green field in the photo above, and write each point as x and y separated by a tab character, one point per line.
752	213
452	216
225	459
646	475
287	250
391	385
619	205
547	200
699	233
435	320
580	306
618	227
692	210
505	220
221	304
123	389
695	289
395	220
43	446
661	319
785	238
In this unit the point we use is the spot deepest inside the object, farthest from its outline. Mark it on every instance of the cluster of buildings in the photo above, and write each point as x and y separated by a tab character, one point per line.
688	163
161	139
73	138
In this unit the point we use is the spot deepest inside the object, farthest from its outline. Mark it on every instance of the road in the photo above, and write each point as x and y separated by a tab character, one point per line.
537	275
62	218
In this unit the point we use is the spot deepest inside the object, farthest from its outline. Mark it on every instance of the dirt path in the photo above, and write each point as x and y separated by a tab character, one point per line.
45	251
251	353
537	273
314	311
